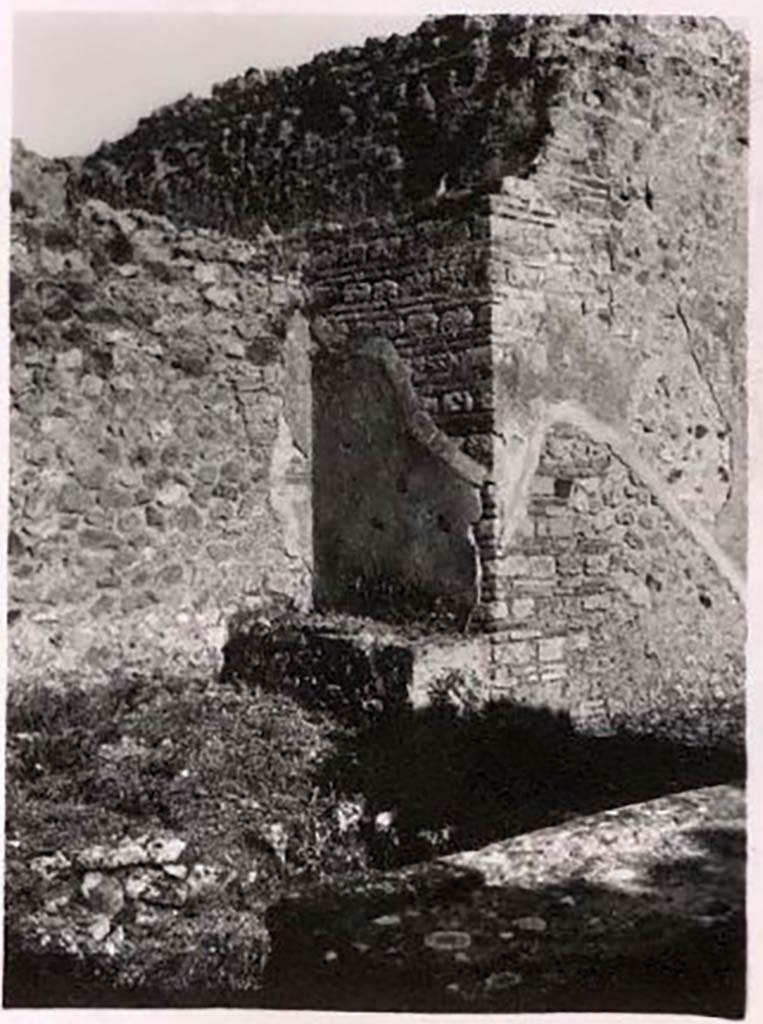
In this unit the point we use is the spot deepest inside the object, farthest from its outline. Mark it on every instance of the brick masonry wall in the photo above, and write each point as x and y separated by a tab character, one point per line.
418	284
619	617
619	276
646	166
160	439
421	282
600	286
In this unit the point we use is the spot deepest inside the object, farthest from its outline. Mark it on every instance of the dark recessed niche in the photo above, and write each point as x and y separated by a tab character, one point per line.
562	487
705	601
700	430
653	583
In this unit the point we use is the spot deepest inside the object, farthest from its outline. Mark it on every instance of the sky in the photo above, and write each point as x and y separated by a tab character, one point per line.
82	77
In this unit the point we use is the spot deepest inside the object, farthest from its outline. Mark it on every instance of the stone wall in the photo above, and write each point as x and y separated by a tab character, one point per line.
357	132
618	615
160	438
647	158
513	282
401	314
619	271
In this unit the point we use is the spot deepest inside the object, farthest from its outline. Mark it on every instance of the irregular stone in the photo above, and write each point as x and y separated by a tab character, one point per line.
175	870
448	941
221	298
205	879
165	849
92	475
126	854
172	494
103	893
114	941
530	924
100	927
70	360
98	539
50	866
153	885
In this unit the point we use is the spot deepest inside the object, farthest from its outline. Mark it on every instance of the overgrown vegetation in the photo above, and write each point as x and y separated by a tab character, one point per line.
275	793
182	754
237	774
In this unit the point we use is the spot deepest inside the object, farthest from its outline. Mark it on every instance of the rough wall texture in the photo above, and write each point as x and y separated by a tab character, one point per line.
541	222
406	301
393	519
356	132
618	614
620	275
160	439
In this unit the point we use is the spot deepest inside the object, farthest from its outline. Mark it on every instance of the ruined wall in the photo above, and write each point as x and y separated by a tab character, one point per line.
160	439
647	158
403	409
393	518
620	275
356	132
631	624
524	247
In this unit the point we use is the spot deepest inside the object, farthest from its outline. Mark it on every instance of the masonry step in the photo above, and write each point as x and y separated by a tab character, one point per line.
362	667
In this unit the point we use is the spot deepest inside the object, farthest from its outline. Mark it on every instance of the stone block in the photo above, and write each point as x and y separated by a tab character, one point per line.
551	648
520	652
542	486
522	608
553	673
596	564
562	526
356	667
541	566
516	565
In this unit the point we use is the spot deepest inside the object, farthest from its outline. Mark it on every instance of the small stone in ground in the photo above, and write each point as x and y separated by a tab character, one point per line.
448	941
387	920
502	980
530	924
103	894
100	927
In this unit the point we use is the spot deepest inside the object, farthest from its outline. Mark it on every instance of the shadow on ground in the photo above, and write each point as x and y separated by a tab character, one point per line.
451	778
602	950
454	778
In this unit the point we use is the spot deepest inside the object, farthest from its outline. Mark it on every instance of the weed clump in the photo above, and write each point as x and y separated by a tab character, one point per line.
236	774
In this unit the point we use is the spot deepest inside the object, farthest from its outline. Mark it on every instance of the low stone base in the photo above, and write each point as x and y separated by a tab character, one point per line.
355	665
362	667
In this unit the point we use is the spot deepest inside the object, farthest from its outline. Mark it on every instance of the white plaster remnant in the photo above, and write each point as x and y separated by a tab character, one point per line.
289	479
516	465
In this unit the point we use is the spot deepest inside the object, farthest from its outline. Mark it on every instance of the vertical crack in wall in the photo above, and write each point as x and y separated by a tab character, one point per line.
241	409
707	381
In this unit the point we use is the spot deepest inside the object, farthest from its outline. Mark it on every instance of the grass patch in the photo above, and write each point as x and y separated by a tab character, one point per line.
218	766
